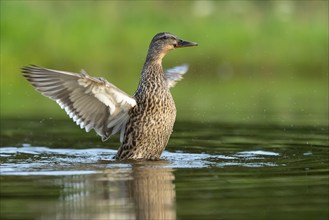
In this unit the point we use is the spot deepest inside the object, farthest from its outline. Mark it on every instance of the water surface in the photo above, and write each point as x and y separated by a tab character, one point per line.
52	170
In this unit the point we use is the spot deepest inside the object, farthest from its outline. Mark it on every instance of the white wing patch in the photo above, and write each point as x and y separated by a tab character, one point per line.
175	74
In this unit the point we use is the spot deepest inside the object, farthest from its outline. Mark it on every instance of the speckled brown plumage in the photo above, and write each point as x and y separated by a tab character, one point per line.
151	120
145	120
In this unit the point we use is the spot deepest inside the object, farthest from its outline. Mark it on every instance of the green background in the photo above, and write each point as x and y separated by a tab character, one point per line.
263	61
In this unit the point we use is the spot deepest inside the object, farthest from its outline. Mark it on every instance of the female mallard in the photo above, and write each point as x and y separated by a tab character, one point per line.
145	120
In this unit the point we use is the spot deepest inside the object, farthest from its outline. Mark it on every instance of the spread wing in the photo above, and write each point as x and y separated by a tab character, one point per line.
93	103
175	74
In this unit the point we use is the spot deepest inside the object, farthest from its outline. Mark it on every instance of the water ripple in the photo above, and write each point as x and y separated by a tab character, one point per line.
35	160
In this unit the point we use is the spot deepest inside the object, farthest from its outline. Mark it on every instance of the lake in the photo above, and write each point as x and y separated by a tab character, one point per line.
50	169
251	137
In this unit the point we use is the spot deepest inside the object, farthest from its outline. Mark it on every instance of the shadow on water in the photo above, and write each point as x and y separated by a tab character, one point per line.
209	171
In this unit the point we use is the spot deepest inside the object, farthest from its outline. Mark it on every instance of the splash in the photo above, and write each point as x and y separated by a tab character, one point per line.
35	160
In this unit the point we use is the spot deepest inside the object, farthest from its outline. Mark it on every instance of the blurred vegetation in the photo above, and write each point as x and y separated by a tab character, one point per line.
254	59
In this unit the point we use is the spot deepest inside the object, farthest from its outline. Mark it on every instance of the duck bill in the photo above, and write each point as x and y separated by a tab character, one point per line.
183	43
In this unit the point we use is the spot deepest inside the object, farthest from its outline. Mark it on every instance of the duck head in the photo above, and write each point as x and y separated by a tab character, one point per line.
164	42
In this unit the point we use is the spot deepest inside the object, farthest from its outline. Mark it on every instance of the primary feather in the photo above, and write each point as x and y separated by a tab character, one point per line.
93	103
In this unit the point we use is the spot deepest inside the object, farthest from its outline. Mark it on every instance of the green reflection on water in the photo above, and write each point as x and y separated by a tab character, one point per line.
288	179
257	82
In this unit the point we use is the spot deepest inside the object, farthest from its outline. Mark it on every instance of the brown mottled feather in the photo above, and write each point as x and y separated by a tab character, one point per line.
145	120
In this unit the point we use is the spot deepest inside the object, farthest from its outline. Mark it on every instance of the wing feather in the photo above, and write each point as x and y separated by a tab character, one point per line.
93	103
175	74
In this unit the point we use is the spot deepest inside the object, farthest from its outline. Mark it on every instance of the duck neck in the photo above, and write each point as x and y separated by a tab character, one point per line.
153	63
152	69
150	64
152	73
154	56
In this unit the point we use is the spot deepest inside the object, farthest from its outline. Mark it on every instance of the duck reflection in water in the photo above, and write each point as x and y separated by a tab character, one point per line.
143	192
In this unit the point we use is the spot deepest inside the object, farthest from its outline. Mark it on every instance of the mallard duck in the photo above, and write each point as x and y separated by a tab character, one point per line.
145	121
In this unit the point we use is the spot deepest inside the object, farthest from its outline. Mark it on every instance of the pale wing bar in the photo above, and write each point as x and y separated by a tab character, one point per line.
93	103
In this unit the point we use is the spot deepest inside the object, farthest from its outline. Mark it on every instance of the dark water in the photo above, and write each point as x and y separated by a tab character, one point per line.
52	170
